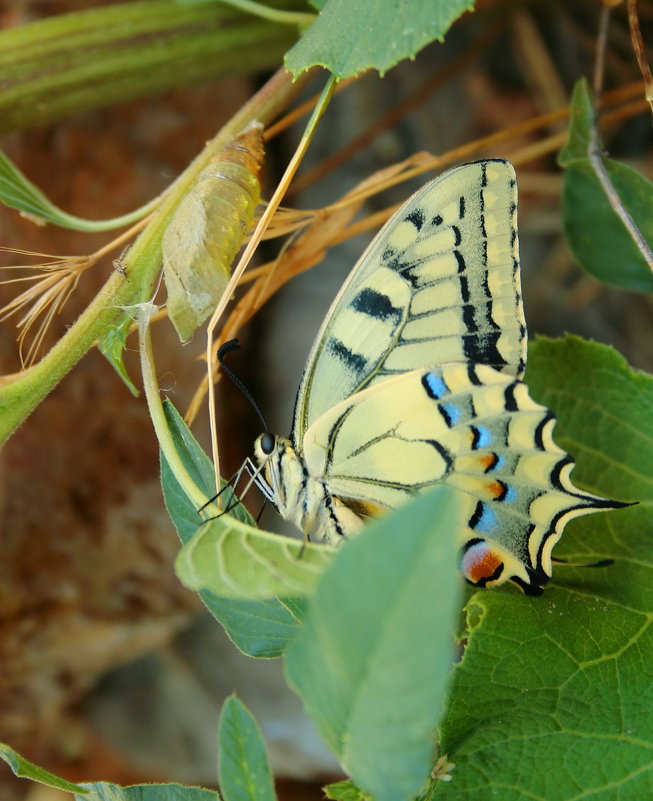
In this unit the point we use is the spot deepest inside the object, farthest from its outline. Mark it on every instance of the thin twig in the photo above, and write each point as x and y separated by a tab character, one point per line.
599	58
263	223
640	50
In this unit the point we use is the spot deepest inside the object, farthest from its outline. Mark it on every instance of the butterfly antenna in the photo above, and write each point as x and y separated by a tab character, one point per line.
229	347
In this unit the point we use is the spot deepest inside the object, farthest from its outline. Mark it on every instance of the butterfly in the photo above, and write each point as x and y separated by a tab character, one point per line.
414	379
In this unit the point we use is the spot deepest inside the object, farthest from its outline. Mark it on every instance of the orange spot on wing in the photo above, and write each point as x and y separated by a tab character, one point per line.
496	488
488	460
483	567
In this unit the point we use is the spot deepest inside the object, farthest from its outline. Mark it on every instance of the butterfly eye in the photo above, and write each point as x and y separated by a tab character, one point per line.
266	442
480	563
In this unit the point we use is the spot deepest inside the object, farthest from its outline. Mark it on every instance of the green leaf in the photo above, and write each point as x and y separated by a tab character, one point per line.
597	237
345	791
581	120
235	560
259	628
553	698
112	346
27	770
243	768
102	791
348	38
595	233
372	657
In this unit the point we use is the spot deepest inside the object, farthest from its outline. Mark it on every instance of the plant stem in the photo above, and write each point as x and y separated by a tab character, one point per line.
157	415
272	14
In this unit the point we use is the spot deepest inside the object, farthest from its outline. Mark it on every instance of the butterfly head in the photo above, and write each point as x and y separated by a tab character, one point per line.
487	564
264	446
280	472
269	480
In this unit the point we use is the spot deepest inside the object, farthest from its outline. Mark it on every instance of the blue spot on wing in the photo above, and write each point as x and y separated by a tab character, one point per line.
484	438
511	495
435	385
451	411
486	522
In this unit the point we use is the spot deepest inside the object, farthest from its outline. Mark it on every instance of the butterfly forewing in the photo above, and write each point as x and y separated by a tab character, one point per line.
440	283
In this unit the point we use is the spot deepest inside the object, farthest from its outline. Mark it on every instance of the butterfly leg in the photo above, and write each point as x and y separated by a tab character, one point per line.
230	487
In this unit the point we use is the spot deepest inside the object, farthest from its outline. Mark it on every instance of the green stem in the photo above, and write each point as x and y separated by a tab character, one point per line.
272	14
65	220
143	261
157	415
18	192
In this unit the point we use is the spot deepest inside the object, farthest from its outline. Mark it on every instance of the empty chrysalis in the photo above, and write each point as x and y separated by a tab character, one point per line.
207	231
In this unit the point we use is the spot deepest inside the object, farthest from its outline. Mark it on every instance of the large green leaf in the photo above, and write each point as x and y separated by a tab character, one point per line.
348	38
595	233
260	628
243	768
553	698
372	657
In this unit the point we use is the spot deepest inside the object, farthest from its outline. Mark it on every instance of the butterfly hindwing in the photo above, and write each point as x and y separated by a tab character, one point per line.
466	425
439	283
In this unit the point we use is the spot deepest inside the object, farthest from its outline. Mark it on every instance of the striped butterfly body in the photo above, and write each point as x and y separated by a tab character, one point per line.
415	379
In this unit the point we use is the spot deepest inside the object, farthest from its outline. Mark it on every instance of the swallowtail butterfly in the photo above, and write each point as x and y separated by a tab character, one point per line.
415	379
